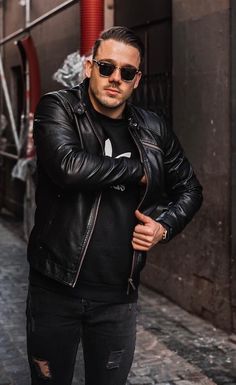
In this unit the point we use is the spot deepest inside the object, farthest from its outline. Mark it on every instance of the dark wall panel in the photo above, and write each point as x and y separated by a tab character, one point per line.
54	40
233	161
194	269
133	13
14	15
151	20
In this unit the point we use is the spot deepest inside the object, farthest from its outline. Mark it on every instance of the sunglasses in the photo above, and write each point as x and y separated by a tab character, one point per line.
106	69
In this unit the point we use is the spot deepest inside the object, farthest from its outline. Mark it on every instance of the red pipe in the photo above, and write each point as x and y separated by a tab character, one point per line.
91	23
32	95
34	72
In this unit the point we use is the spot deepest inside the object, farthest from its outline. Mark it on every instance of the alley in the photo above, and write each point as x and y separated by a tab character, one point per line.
173	347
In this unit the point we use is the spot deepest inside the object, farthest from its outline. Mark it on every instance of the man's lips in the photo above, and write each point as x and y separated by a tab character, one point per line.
112	91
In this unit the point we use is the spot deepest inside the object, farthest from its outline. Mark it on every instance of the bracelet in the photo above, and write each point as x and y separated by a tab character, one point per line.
164	235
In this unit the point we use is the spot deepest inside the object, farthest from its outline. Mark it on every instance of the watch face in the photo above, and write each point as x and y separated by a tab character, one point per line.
164	234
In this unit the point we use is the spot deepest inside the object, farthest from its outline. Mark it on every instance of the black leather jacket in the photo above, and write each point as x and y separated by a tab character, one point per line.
72	172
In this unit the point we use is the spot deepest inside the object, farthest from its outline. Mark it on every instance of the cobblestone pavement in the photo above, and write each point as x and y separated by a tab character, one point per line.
173	347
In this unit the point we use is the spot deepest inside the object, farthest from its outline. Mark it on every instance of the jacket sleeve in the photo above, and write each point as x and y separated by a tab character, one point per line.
184	192
62	157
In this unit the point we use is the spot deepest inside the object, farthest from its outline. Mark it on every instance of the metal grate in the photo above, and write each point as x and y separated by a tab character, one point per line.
154	94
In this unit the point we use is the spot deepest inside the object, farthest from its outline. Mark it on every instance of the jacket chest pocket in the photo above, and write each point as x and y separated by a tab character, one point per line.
154	156
151	146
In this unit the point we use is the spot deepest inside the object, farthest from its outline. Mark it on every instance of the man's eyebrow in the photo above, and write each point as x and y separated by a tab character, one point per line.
108	60
114	62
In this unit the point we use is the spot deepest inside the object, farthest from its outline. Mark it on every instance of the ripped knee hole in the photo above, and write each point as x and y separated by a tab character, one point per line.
43	368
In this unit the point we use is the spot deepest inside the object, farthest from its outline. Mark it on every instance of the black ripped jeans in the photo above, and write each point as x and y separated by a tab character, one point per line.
55	326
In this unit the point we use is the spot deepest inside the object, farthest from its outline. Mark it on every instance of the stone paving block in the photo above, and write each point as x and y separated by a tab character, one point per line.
196	341
146	371
20	380
143	380
160	363
165	383
4	380
203	382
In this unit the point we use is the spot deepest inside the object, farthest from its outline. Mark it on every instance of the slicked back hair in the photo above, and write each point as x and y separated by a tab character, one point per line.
121	34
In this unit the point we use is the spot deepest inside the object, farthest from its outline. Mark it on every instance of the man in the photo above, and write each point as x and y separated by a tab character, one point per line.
103	168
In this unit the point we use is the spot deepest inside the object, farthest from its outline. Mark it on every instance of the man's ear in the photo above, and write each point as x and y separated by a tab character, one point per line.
138	78
88	68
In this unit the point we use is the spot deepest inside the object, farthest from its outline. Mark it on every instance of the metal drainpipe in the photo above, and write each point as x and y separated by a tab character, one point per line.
1	48
91	23
4	89
32	82
27	13
27	75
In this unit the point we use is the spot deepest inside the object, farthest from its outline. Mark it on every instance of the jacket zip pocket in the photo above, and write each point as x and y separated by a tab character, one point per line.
151	145
145	171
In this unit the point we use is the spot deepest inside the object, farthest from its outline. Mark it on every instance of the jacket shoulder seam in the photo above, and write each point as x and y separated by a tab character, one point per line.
149	118
61	96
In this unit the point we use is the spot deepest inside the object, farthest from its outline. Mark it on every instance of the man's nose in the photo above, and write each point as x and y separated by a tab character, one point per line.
115	76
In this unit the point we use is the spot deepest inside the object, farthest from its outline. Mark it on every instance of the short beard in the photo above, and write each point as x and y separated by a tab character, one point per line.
103	103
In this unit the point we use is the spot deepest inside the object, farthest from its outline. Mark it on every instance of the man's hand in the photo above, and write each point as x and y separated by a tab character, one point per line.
147	233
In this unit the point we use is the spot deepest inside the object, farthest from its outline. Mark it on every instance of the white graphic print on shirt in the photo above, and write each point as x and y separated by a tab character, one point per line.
108	152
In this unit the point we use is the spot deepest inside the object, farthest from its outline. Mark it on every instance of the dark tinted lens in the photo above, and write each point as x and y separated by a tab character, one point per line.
128	73
106	69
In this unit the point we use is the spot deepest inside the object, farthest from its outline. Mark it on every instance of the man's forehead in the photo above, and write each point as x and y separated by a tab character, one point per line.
116	50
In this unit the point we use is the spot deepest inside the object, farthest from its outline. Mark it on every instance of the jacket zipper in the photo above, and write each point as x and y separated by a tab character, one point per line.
130	279
90	232
96	207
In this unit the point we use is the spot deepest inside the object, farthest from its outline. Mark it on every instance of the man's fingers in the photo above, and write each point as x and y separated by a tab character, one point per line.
142	218
145	230
142	242
143	237
138	247
146	234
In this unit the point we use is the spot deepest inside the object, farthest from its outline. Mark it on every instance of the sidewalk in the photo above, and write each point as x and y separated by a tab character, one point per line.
173	347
